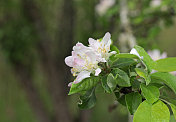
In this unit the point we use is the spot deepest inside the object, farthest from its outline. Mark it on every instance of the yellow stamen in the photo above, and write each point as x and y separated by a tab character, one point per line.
74	74
104	51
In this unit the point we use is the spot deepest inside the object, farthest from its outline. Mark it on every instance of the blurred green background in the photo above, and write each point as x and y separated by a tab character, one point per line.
36	36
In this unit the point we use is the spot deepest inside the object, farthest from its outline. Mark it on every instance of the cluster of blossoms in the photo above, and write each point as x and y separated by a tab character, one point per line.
135	78
84	59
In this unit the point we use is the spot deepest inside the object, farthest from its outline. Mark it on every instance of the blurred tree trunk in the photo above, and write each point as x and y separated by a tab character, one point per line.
53	53
85	116
32	94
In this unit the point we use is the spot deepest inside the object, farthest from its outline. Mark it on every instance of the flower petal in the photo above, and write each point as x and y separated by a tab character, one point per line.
70	84
92	41
134	51
79	62
100	59
106	38
94	44
113	52
164	55
97	71
82	75
69	61
107	46
156	55
91	57
153	71
80	48
174	72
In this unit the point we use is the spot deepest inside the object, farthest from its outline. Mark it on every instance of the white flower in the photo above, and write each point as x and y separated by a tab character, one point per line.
156	55
84	61
97	71
103	6
134	52
102	47
82	75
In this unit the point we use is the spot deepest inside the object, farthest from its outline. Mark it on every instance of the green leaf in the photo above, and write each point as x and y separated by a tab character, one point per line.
173	107
172	119
166	65
165	91
151	93
84	85
133	74
111	82
158	85
144	74
126	55
158	112
155	80
87	100
135	83
167	95
105	85
150	64
112	59
121	77
167	78
114	48
132	101
115	57
121	100
123	62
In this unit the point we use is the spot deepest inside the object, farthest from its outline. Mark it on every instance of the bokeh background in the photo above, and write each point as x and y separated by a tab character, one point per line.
36	36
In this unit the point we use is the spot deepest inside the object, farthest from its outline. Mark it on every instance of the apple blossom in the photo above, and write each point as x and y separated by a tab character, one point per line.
156	55
83	61
102	47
